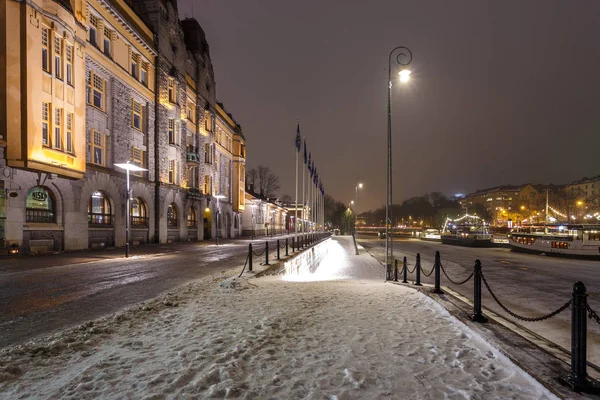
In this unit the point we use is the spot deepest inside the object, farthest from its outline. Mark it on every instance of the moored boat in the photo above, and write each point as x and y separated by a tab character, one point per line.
565	240
468	230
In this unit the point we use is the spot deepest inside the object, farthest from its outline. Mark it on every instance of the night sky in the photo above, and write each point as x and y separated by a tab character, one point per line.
502	92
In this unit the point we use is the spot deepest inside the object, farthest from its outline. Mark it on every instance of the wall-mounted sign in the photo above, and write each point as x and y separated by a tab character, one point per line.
39	196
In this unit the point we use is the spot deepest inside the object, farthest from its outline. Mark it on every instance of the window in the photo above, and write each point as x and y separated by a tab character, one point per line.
93	30
191	218
207	153
45	124
107	36
207	184
171	131
39	206
136	114
58	57
69	133
145	74
190	111
137	156
193	177
95	90
172	216
137	212
134	65
96	148
171	171
57	128
99	210
207	122
45	51
69	50
172	90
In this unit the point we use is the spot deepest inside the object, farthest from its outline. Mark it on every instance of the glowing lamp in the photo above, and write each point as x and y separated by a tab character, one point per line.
404	75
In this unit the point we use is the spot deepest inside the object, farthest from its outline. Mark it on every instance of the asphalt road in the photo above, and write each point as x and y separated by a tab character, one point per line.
528	285
39	300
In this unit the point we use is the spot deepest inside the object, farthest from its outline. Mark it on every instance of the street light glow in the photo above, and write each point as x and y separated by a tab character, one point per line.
360	185
404	75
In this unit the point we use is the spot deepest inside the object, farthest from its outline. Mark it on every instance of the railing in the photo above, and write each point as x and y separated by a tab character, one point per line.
139	221
304	241
578	379
99	219
34	215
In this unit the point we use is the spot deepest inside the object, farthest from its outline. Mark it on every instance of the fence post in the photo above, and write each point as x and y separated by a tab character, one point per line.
395	270
278	257
267	253
578	379
286	247
418	270
437	266
250	257
404	271
477	316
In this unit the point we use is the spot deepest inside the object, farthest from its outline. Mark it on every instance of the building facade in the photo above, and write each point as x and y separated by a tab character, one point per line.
94	83
263	216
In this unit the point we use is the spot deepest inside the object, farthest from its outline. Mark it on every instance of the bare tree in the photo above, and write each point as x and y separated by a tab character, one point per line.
264	182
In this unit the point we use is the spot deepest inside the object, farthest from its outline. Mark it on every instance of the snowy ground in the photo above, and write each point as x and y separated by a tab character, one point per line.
271	338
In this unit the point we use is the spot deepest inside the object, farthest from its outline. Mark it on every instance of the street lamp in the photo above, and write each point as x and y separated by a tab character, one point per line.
128	167
359	185
403	59
218	196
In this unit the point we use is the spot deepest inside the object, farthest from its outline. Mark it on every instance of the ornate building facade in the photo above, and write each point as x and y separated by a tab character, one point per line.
90	84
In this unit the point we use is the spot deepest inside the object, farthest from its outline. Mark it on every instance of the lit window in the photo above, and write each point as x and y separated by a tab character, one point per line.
95	90
96	148
171	131
45	123
172	215
145	74
45	51
191	218
58	57
93	30
99	210
207	184
136	114
171	171
57	128
39	206
137	212
107	36
190	111
69	50
69	133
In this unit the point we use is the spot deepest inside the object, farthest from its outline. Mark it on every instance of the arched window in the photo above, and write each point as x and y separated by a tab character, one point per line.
39	205
137	212
172	216
191	218
99	211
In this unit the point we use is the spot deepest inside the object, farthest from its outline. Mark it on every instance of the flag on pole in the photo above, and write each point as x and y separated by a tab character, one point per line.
304	151
298	140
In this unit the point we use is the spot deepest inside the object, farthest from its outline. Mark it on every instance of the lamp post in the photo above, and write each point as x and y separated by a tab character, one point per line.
128	167
218	196
403	59
359	185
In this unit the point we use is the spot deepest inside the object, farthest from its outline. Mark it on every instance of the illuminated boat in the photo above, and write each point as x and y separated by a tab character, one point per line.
468	230
565	240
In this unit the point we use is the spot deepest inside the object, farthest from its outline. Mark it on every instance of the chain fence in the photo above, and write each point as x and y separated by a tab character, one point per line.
260	253
430	272
528	319
592	314
453	281
245	263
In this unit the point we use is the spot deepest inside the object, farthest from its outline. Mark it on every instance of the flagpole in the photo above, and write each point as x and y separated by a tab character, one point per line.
296	203
304	190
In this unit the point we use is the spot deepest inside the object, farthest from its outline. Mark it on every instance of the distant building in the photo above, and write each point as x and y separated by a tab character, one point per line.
263	216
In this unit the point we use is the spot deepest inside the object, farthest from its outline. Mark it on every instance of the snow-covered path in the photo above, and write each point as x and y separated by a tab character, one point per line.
270	338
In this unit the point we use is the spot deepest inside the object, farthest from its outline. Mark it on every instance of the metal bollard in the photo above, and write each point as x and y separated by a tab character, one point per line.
578	379
395	270
250	257
286	247
418	270
266	253
477	316
437	266
404	271
278	257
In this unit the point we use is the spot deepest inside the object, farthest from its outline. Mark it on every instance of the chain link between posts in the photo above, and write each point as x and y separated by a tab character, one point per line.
453	281
245	263
528	319
430	272
258	254
413	270
592	314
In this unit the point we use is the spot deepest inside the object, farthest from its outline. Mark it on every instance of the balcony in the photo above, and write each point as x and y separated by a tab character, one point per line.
99	219
139	221
193	158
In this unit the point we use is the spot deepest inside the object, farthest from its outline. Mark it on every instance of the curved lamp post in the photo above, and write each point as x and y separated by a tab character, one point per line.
128	167
403	59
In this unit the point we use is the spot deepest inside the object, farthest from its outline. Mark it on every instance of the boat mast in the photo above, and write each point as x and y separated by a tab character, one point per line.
546	214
